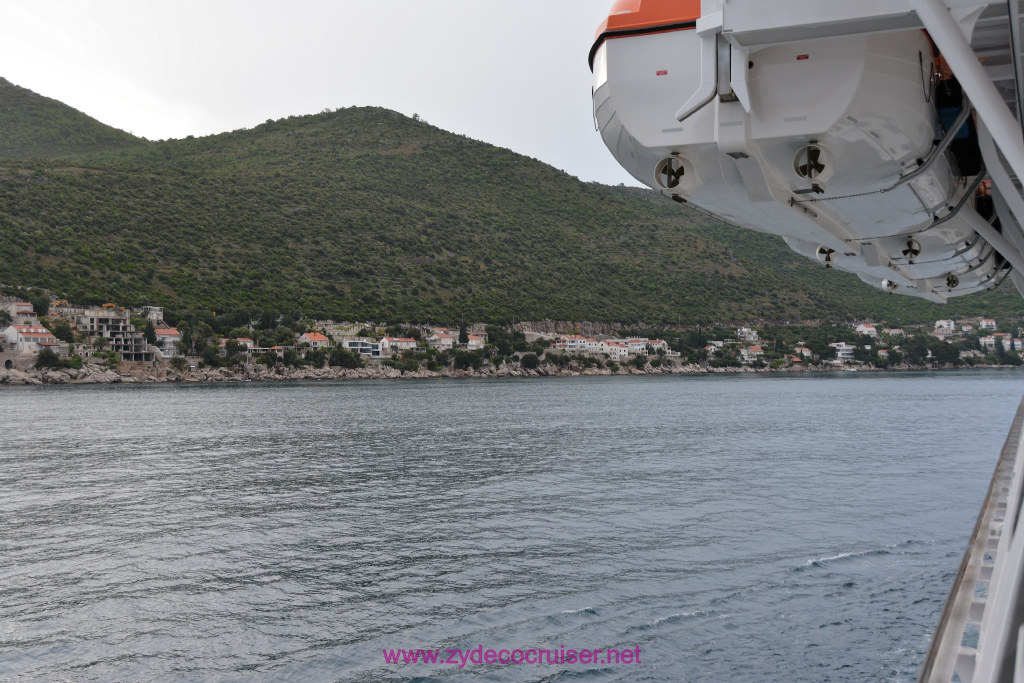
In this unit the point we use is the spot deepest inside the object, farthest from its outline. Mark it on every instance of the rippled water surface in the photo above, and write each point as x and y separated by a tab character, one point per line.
732	528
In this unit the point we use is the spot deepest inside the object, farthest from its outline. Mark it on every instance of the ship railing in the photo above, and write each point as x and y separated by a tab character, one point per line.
980	635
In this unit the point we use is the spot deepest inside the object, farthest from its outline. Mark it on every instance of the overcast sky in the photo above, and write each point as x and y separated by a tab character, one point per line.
513	74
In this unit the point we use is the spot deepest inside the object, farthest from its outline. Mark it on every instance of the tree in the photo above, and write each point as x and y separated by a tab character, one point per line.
268	358
62	330
40	303
5	318
315	358
342	357
150	333
268	320
530	361
47	359
234	348
463	334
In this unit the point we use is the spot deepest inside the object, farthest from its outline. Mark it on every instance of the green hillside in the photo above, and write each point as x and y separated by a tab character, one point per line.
363	213
35	126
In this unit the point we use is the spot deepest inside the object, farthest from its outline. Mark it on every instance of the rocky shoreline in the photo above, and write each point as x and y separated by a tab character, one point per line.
128	374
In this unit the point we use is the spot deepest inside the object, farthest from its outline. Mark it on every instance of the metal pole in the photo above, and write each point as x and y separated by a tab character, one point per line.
979	87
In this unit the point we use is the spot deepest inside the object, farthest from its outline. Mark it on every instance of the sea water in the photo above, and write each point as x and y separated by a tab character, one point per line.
718	528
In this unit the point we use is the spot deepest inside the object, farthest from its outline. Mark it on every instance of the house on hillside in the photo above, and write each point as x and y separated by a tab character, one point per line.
441	341
987	324
658	345
574	343
475	342
844	351
637	347
366	347
616	350
167	339
22	312
28	340
751	354
392	345
868	329
155	314
747	334
315	340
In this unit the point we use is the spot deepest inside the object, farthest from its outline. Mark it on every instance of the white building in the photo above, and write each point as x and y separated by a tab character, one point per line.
155	314
167	339
27	340
392	345
616	350
868	329
637	347
474	342
366	347
750	354
658	345
575	343
945	325
844	351
441	340
987	324
747	334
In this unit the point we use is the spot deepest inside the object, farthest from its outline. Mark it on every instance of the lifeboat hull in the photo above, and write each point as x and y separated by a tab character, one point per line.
812	141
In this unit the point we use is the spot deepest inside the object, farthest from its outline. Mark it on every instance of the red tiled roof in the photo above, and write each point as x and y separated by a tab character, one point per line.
315	336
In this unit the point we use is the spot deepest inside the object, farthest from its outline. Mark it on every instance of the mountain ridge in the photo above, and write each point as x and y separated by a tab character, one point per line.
32	125
364	213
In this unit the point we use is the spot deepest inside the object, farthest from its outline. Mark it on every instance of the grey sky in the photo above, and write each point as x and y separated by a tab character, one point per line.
510	73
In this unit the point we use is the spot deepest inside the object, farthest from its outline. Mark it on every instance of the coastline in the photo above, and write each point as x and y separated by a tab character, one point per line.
164	374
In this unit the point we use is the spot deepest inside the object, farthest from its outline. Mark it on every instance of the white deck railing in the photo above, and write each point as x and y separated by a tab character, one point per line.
986	599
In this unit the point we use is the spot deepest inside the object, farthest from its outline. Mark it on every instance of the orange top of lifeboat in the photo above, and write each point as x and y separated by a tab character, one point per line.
637	17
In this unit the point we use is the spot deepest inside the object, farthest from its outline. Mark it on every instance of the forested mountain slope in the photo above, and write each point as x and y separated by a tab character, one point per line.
364	213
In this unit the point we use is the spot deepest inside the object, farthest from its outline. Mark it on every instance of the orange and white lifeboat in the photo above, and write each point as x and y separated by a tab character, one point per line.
856	149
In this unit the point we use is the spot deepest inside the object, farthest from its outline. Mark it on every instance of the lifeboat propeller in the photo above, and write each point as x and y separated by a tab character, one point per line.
808	162
912	250
669	172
